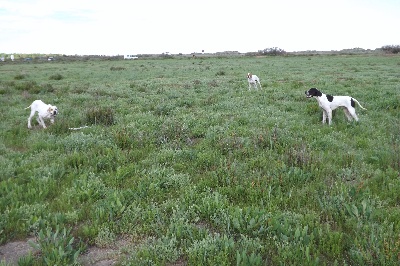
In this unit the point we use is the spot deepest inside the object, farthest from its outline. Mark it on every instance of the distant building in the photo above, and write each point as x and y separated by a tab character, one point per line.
130	57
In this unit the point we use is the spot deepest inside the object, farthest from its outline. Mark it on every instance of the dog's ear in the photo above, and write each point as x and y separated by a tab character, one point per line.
315	92
50	110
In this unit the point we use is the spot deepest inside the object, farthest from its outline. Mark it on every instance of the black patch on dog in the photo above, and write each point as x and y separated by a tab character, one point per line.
353	104
329	97
314	92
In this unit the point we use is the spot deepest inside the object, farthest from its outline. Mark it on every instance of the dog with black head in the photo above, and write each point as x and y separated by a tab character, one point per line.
328	103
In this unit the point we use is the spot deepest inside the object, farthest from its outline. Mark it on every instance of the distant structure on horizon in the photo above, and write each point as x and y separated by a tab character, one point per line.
130	57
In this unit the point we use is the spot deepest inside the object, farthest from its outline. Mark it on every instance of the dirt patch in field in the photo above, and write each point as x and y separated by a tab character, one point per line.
12	251
94	256
99	256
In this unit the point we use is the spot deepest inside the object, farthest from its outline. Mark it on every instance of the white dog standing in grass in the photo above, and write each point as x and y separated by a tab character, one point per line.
45	111
328	103
253	80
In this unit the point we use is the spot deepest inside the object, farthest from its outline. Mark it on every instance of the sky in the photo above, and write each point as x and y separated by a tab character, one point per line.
94	27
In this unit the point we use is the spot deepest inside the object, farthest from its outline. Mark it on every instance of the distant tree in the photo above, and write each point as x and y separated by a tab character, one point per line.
272	51
391	49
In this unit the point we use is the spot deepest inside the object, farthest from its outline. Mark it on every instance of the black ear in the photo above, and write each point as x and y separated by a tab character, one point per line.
315	92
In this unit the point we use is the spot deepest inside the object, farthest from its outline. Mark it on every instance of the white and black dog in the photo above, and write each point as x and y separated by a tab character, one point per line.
328	103
44	111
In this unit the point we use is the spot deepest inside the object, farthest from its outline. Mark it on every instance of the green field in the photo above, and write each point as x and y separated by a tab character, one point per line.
189	167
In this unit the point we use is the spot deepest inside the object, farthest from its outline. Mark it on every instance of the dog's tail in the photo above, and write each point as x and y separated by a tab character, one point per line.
359	104
28	107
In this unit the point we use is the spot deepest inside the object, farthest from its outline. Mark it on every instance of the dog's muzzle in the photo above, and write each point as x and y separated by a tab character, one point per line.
55	112
308	94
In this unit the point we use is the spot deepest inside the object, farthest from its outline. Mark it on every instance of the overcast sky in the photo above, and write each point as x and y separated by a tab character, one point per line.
178	26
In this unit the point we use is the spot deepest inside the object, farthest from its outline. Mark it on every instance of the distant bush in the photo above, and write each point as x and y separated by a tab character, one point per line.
117	68
272	51
48	88
56	77
99	115
220	73
19	76
30	86
391	49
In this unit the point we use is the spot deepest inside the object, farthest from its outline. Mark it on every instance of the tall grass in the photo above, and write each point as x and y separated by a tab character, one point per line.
196	169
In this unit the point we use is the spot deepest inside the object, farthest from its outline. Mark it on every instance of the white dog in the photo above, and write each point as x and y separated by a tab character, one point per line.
328	103
253	80
44	111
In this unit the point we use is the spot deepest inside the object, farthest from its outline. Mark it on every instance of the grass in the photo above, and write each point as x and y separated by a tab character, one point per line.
195	168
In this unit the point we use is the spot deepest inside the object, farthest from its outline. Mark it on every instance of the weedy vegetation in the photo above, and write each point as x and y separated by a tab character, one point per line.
183	160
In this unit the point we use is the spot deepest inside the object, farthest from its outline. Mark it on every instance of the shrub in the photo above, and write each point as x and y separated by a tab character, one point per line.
391	49
48	87
30	86
117	68
220	73
57	247
56	77
19	76
212	250
124	138
105	237
272	51
100	115
213	83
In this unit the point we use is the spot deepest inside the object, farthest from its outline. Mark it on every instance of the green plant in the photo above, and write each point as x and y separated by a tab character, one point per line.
220	73
19	76
27	260
100	116
212	250
117	68
57	76
57	247
105	237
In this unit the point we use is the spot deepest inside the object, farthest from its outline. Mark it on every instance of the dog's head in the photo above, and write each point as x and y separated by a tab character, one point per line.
249	75
53	111
313	92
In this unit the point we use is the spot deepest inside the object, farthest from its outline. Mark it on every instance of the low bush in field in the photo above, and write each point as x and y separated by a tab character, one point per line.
117	68
100	116
57	247
57	76
19	76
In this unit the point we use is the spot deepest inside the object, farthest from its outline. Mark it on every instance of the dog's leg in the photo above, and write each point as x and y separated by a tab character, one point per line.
30	118
352	112
323	116
347	113
329	116
260	85
41	121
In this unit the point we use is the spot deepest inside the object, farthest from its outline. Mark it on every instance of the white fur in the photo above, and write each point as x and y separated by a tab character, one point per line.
45	111
337	101
253	80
